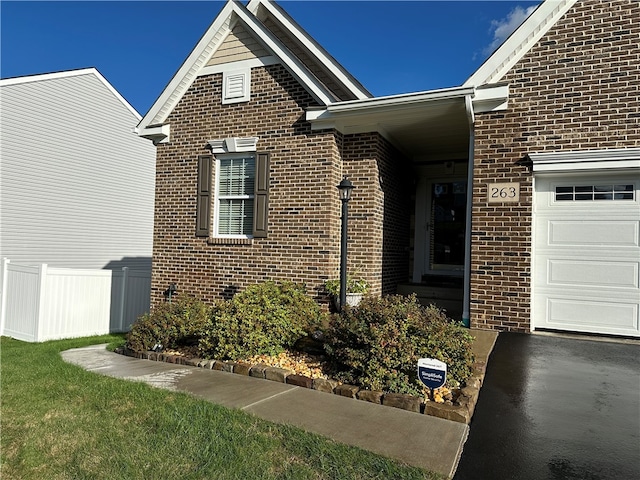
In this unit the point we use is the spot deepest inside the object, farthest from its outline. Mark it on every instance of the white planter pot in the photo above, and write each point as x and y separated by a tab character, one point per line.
353	300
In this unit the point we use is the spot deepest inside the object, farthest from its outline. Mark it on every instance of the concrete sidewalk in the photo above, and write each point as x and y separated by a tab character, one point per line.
420	440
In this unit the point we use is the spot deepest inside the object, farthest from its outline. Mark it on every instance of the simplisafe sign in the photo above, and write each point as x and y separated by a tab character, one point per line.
432	372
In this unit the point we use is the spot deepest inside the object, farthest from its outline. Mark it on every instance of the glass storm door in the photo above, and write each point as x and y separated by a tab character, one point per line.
447	226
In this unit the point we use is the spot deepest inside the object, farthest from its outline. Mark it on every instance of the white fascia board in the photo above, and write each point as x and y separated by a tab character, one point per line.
520	42
582	160
67	74
187	73
295	66
321	55
46	76
369	111
405	99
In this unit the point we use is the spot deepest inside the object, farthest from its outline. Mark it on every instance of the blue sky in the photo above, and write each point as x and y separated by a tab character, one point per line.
391	47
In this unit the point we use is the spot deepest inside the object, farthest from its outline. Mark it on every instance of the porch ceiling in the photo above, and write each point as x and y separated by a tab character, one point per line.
425	126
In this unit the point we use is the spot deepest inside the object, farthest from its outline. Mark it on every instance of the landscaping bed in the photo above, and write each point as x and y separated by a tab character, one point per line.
306	370
275	331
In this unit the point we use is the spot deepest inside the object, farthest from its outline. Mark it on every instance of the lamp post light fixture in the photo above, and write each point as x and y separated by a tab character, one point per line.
171	291
344	188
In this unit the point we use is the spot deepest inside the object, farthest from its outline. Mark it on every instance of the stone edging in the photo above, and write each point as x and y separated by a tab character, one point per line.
461	411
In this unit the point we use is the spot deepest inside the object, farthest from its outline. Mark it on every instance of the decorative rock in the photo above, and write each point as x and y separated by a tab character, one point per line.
242	368
228	366
194	362
402	400
454	413
276	374
300	381
153	356
324	385
216	365
258	370
471	392
350	391
473	381
370	396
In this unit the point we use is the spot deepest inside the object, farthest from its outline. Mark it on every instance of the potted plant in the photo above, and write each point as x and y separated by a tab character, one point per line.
356	288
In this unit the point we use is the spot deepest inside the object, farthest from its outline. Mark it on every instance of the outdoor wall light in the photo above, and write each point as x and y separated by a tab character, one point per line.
171	291
344	188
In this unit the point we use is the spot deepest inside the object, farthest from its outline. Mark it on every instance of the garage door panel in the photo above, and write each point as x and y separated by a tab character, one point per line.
593	273
586	270
590	233
605	317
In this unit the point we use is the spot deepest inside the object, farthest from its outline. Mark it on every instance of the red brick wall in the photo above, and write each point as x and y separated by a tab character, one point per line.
303	243
577	89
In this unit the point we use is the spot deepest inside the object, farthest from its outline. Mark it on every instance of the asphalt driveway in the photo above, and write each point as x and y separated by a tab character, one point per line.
556	408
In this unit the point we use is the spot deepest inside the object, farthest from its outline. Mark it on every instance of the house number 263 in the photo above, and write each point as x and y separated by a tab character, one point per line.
503	192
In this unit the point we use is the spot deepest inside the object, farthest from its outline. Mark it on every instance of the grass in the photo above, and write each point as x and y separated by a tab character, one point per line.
59	421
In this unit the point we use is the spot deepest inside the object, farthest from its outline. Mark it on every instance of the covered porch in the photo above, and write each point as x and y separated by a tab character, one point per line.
434	132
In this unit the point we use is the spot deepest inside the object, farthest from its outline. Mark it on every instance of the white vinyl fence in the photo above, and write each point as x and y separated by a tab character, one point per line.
41	303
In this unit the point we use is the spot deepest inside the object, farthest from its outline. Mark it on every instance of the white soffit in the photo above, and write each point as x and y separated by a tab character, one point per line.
584	160
520	42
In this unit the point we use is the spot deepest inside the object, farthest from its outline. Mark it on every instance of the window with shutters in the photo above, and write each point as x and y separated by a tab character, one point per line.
239	198
235	185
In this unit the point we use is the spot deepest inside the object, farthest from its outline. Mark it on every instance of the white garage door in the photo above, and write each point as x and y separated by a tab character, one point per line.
586	257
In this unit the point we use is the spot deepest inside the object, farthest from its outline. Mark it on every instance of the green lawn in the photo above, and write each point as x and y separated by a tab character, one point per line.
60	422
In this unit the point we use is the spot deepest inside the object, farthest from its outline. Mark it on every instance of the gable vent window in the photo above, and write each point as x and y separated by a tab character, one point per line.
236	86
594	192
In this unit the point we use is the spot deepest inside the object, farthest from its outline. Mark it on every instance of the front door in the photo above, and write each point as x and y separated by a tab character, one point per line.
446	227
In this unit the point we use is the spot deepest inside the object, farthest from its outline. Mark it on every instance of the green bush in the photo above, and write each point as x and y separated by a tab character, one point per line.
263	319
169	325
377	344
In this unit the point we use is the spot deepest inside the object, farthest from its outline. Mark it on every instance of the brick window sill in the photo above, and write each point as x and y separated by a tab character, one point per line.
229	241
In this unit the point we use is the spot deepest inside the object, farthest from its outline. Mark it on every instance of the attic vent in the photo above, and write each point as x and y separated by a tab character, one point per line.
234	144
236	86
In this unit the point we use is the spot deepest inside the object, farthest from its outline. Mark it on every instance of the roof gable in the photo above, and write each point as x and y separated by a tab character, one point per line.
315	57
236	33
520	42
66	74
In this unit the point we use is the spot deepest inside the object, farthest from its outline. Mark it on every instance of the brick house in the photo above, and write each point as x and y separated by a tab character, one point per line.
512	200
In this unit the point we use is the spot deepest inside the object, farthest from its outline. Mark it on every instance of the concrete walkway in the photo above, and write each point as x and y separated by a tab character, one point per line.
558	408
420	440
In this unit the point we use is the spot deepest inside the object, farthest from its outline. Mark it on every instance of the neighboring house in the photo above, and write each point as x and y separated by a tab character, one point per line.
77	184
520	189
76	197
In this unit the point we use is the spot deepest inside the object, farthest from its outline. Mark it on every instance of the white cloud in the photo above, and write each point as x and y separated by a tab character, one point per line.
504	27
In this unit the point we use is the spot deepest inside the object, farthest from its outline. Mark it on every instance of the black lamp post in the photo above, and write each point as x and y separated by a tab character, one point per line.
345	188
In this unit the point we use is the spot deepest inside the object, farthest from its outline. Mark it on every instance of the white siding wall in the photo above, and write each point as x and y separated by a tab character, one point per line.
76	185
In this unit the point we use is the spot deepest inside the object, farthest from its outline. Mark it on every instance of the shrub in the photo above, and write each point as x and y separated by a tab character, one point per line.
354	285
377	344
263	319
169	325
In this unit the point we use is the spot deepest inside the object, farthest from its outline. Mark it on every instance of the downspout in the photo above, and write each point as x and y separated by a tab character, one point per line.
466	305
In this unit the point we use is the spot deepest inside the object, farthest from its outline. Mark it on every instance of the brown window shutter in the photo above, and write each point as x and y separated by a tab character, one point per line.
261	199
203	206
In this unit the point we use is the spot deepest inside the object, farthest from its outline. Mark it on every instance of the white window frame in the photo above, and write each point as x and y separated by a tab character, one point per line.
218	197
